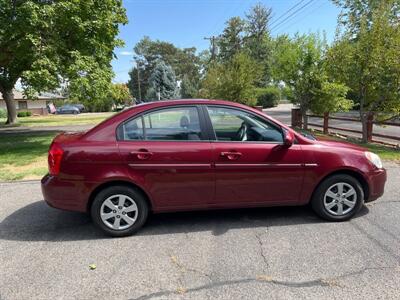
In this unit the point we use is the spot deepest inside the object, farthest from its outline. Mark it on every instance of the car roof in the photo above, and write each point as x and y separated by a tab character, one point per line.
164	103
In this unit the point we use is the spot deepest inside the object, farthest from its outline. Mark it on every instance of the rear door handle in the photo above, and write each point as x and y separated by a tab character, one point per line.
142	154
231	155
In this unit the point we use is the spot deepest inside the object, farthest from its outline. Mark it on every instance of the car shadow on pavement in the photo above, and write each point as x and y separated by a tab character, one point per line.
39	222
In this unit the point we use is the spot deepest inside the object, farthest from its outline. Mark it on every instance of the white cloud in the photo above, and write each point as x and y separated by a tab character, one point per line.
126	53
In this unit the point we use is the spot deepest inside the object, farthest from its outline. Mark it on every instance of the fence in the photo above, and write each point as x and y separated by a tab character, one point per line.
297	122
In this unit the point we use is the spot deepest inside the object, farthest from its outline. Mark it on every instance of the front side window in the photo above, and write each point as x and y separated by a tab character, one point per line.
170	124
236	125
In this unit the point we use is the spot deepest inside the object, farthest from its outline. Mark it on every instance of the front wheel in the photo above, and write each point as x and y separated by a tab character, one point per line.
338	198
119	211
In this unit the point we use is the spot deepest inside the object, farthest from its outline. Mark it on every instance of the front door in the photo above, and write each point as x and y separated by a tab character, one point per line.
251	163
167	153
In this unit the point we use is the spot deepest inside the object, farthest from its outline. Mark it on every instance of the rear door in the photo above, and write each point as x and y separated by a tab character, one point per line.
168	151
252	165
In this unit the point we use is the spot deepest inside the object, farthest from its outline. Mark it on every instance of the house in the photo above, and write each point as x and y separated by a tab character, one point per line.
36	106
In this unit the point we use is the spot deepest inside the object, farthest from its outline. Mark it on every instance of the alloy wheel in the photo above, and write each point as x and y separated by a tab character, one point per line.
340	198
119	212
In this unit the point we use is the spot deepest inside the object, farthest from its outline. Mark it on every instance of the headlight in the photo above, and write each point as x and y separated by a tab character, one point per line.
374	159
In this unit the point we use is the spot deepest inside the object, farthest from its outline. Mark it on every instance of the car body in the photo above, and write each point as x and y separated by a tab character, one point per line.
205	154
68	109
79	106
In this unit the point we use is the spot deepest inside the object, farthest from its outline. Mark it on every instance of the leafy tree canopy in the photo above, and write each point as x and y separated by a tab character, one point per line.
233	80
299	63
46	44
148	53
368	60
120	94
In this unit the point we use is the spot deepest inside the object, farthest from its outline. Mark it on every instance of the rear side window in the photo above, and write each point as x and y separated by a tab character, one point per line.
169	124
133	130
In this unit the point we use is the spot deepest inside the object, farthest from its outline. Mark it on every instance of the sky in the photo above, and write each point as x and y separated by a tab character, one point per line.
185	23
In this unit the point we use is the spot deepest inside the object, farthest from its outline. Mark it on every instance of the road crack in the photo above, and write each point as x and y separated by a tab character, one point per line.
262	254
320	282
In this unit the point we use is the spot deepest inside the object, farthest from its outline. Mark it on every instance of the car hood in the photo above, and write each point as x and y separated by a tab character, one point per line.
337	144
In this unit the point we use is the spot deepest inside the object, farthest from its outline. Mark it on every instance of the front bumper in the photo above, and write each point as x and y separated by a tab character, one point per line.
66	195
376	182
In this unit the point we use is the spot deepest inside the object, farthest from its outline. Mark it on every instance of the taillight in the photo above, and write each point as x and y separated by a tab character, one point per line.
54	158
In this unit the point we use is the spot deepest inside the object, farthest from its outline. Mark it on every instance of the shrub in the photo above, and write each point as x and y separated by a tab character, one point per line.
268	96
23	114
3	113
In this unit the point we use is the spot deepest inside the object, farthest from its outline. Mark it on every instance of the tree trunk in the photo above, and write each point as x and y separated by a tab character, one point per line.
363	118
304	117
364	130
8	97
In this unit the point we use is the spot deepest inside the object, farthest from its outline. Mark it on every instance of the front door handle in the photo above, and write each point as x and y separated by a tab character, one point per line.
142	154
231	155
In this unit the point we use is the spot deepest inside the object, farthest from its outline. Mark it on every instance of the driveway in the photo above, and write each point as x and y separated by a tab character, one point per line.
270	253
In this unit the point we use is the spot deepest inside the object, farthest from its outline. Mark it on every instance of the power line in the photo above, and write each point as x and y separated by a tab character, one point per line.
285	13
292	14
298	20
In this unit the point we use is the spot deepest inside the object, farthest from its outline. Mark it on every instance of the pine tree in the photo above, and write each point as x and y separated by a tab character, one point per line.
162	83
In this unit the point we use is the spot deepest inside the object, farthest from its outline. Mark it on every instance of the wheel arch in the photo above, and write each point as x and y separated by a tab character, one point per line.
118	182
357	175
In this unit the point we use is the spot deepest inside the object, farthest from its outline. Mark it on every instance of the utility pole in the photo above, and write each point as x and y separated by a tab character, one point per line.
212	40
138	78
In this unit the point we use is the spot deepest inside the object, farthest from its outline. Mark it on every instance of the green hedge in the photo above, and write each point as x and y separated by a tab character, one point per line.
268	96
23	114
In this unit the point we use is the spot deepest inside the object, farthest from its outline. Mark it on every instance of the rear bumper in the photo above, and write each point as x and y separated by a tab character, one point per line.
66	195
376	182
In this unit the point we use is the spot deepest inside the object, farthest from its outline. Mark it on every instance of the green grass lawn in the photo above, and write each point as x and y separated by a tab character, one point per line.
61	120
24	156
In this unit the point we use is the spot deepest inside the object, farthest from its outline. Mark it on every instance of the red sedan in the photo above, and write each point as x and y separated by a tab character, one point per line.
203	154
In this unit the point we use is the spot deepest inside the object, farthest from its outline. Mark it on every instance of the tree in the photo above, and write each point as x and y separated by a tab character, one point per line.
299	63
120	94
230	42
257	40
162	83
232	80
188	89
49	43
149	52
356	12
366	57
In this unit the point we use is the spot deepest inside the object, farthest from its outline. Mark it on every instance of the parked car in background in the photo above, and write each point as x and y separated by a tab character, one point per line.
68	109
203	154
81	107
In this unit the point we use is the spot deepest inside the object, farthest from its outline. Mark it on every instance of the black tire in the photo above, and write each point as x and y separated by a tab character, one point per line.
317	201
136	196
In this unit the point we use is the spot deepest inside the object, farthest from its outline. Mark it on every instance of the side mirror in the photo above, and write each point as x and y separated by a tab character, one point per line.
289	138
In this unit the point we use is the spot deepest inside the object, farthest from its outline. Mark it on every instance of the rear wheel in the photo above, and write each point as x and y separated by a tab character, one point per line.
119	210
338	198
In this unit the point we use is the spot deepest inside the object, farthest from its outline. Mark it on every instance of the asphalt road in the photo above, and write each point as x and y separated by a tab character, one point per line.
270	253
283	113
